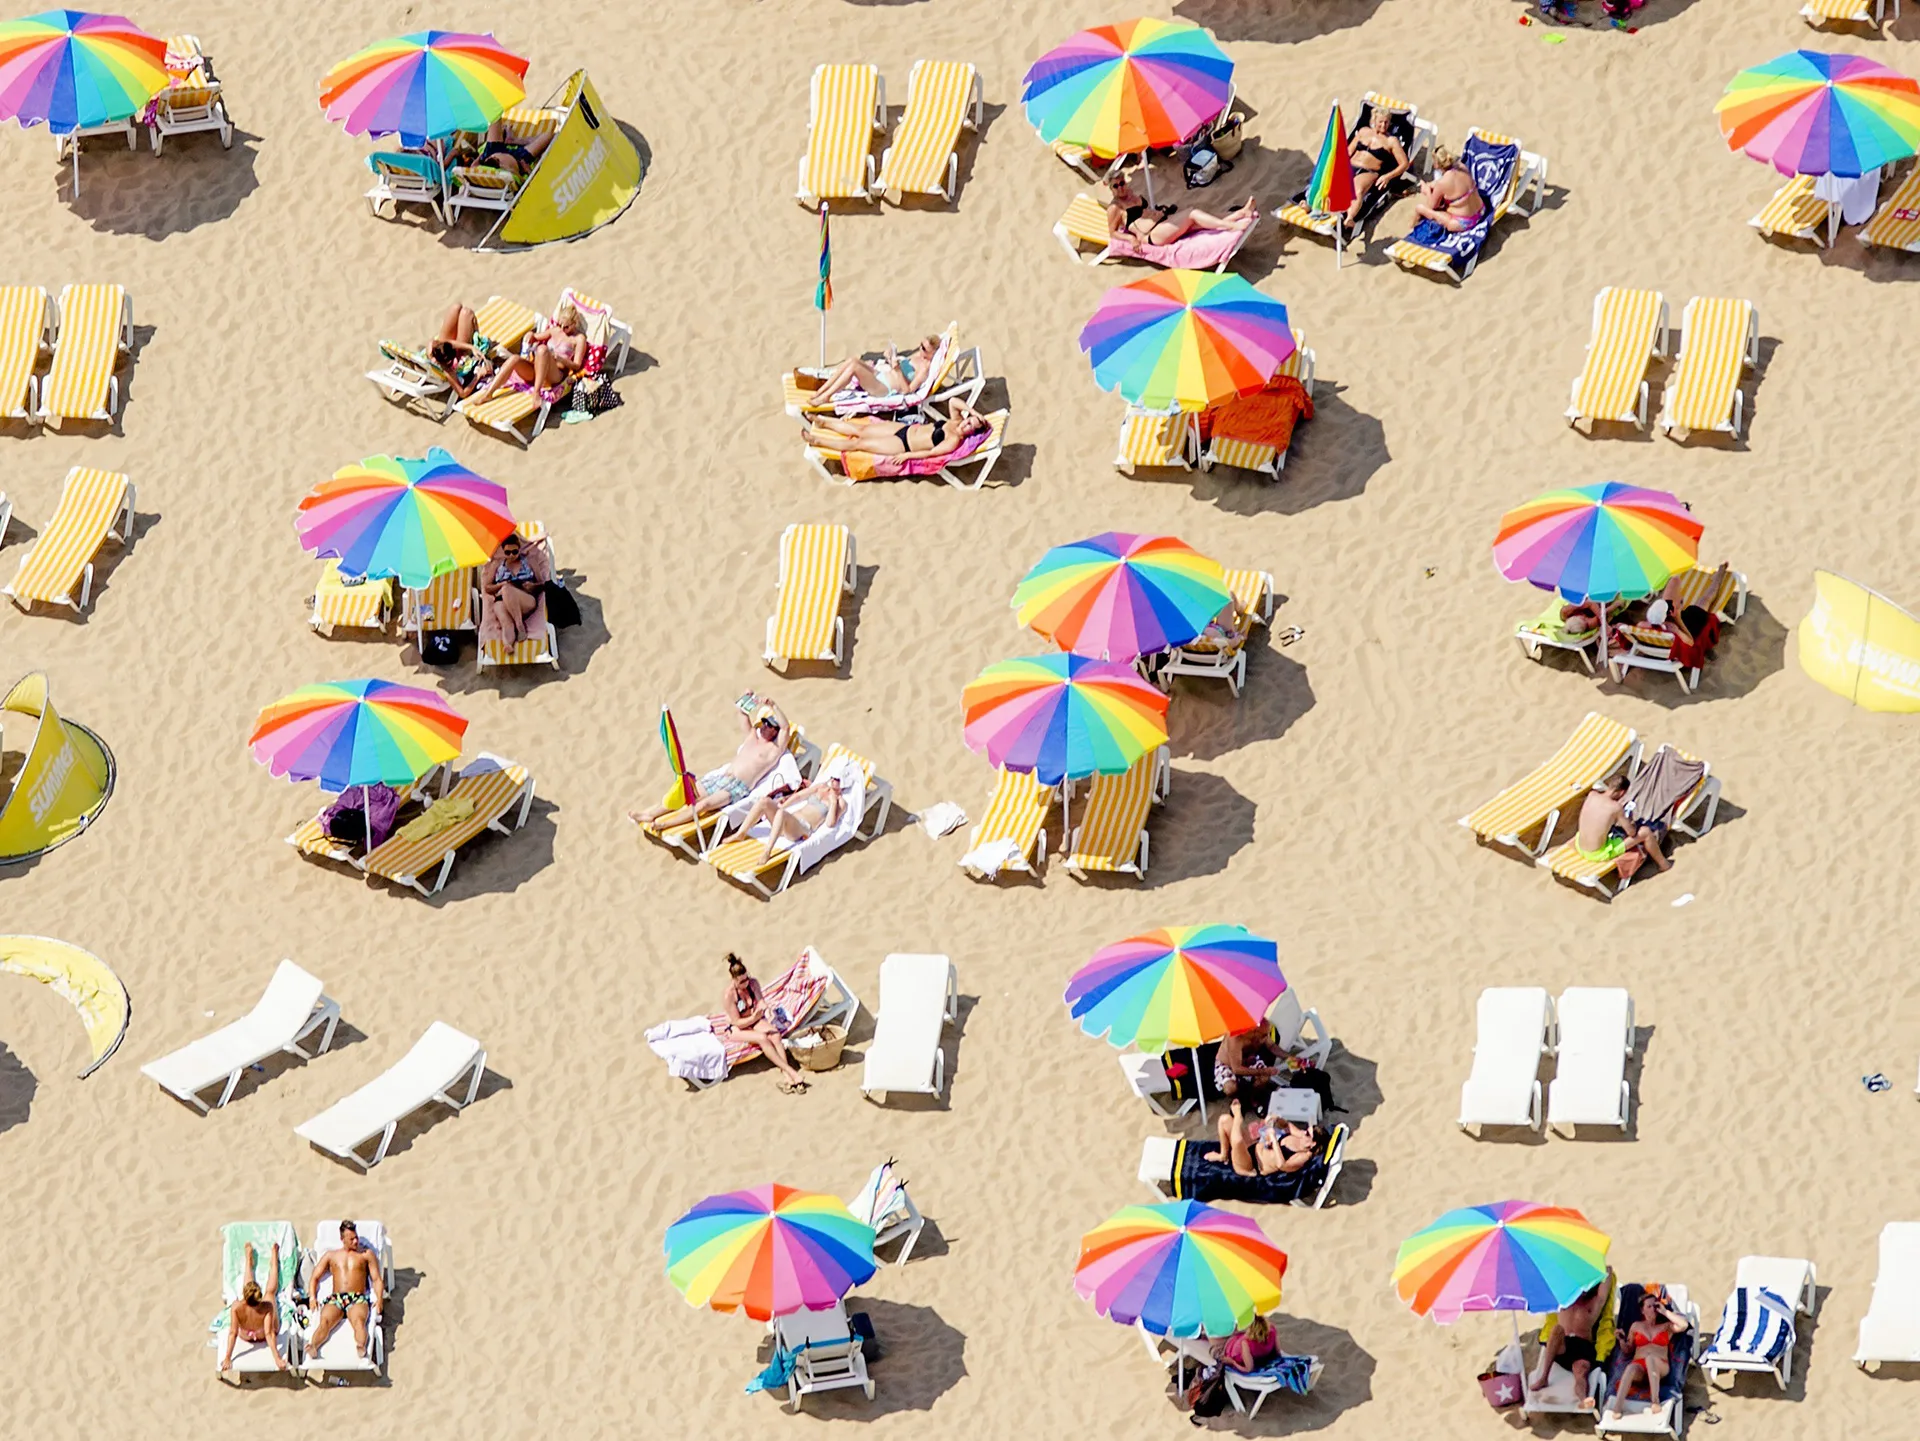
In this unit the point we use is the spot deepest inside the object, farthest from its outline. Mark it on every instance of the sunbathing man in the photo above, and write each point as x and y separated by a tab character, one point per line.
794	816
1262	1148
255	1317
357	1289
1450	200
514	157
760	751
1129	217
1572	1342
1607	832
875	436
854	379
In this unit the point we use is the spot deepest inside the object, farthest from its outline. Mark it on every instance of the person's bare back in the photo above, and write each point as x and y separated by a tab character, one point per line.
1599	813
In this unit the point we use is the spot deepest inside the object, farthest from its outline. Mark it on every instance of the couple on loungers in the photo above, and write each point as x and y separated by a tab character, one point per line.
356	1295
548	358
765	742
872	435
1577	1342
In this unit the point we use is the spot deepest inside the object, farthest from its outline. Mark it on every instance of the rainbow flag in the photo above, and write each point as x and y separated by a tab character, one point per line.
676	757
1330	191
823	292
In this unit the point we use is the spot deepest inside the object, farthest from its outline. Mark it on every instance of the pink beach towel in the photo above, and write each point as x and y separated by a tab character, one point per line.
1196	250
862	466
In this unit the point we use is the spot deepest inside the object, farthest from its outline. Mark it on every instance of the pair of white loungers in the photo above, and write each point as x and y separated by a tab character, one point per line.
339	1352
295	1007
1757	1325
1590	1031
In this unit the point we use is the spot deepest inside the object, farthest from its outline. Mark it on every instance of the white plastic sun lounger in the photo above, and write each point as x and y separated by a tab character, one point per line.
338	1353
427	1073
288	1011
1596	1037
1515	1026
827	1355
883	1203
919	996
256	1358
1890	1331
1755	1336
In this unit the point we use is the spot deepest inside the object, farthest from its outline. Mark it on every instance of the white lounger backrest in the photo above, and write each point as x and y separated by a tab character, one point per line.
1514	1018
436	1060
1287	1018
286	1003
276	1018
1594	1020
1900	1263
1789	1277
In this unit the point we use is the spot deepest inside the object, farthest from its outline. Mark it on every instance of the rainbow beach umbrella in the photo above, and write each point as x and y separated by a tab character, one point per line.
1061	716
1810	113
1186	339
1117	89
1330	188
414	519
1180	1268
1597	542
769	1251
1507	1256
72	70
424	86
1118	595
357	733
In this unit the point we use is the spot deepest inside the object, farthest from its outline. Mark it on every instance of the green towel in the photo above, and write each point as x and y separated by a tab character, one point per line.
233	1250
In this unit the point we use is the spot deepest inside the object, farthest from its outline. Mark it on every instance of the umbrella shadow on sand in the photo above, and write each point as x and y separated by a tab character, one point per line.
1208	722
920	1358
1750	651
1262	20
1346	1381
17	1087
1199	827
191	183
1332	458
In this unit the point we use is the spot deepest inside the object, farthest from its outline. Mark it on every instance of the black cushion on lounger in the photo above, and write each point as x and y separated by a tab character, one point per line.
1198	1179
1679	1350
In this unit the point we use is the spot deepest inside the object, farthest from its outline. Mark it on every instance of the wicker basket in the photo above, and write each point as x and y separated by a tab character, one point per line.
818	1049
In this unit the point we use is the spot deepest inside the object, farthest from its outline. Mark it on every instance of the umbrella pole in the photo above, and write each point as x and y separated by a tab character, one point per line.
74	142
1199	1083
1606	662
823	340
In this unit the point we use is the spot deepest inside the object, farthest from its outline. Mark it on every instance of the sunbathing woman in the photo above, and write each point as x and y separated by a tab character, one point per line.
515	157
549	359
1378	159
1450	200
795	815
1651	1338
891	437
511	583
1260	1148
750	1018
255	1317
462	351
1131	217
854	379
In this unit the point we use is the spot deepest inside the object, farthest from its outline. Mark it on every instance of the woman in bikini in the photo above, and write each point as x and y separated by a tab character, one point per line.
875	436
749	1017
550	358
1264	1148
461	351
1131	217
1378	159
792	816
514	157
895	375
1651	1338
511	583
255	1317
1450	200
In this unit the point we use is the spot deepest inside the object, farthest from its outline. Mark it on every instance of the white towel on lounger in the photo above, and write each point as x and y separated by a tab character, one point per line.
690	1049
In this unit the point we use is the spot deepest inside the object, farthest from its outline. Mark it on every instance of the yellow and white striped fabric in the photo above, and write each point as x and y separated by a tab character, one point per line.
1298	364
813	573
1693	590
939	95
1252	592
801	400
742	857
23	335
364	606
521	123
504	409
505	322
447	602
1596	746
493	793
1567	864
686	836
88	348
538	648
1315	222
1795	212
1078	156
1861	12
840	140
797	392
1626	331
1421	257
1156	440
189	87
1086	221
1896	224
91	501
1116	815
1244	454
1017	812
312	840
1713	351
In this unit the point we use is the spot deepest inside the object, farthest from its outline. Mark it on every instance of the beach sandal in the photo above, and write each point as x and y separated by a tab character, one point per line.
1289	634
792	1088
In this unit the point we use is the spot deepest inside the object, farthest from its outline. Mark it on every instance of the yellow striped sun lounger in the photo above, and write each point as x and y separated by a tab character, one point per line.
365	604
816	567
542	645
696	837
1566	862
1529	173
1729	598
312	839
1112	834
480	800
1012	835
446	604
1159	442
1597	748
505	322
1085	223
1848	12
744	859
1253	455
832	466
1719	339
1252	592
191	102
94	504
1629	329
26	333
1896	224
849	109
942	97
96	329
1795	213
962	374
1078	157
1323	223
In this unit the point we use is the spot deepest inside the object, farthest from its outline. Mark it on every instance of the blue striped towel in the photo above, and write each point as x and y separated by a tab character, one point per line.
1756	1323
1292	1373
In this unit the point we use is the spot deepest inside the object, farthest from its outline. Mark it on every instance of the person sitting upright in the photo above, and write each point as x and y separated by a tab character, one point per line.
1651	1339
766	740
463	354
1131	218
1606	832
511	584
1378	157
1262	1147
749	1017
1450	200
916	438
1574	1342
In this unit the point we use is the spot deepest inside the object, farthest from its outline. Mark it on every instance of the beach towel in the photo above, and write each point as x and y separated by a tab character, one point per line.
1662	784
264	1235
1679	1350
1292	1373
1267	417
1756	1322
360	810
690	1048
846	772
858	402
789	1000
443	815
862	466
1196	250
1491	167
993	857
1198	1179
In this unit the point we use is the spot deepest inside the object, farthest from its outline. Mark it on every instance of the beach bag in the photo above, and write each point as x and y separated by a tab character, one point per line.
562	609
1227	139
1207	1395
1500	1383
439	647
1204	166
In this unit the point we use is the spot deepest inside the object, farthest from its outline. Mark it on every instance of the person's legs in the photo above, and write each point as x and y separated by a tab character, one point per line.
357	1315
456	324
1549	1353
1656	1364
788	826
1648	839
775	1050
1225	1132
536	146
1363	181
516	607
1581	1369
1625	1388
667	817
1242	1149
325	1326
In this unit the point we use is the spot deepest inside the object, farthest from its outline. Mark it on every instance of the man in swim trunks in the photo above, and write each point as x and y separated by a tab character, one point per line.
760	751
357	1289
1572	1343
1607	832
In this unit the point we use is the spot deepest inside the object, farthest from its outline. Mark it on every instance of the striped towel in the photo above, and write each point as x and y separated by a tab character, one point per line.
1590	753
1794	211
1115	817
1086	220
1756	1322
1897	225
1156	440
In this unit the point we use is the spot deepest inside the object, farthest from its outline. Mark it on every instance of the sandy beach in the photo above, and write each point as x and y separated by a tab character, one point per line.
1319	808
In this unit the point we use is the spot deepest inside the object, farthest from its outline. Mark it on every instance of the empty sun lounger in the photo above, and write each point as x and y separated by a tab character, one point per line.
542	643
1112	834
1085	224
817	567
1158	441
448	603
431	1071
919	997
1757	1325
26	333
849	109
1890	1331
96	329
1719	340
95	505
1794	213
827	1356
488	791
1503	171
192	101
1012	835
744	860
1848	12
1515	1027
362	604
290	1010
1596	1037
1568	864
1597	748
1629	329
337	1353
942	97
1257	456
255	1358
883	1203
1896	224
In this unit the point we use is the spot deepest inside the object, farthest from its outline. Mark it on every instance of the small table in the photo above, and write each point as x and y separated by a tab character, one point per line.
1291	1103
